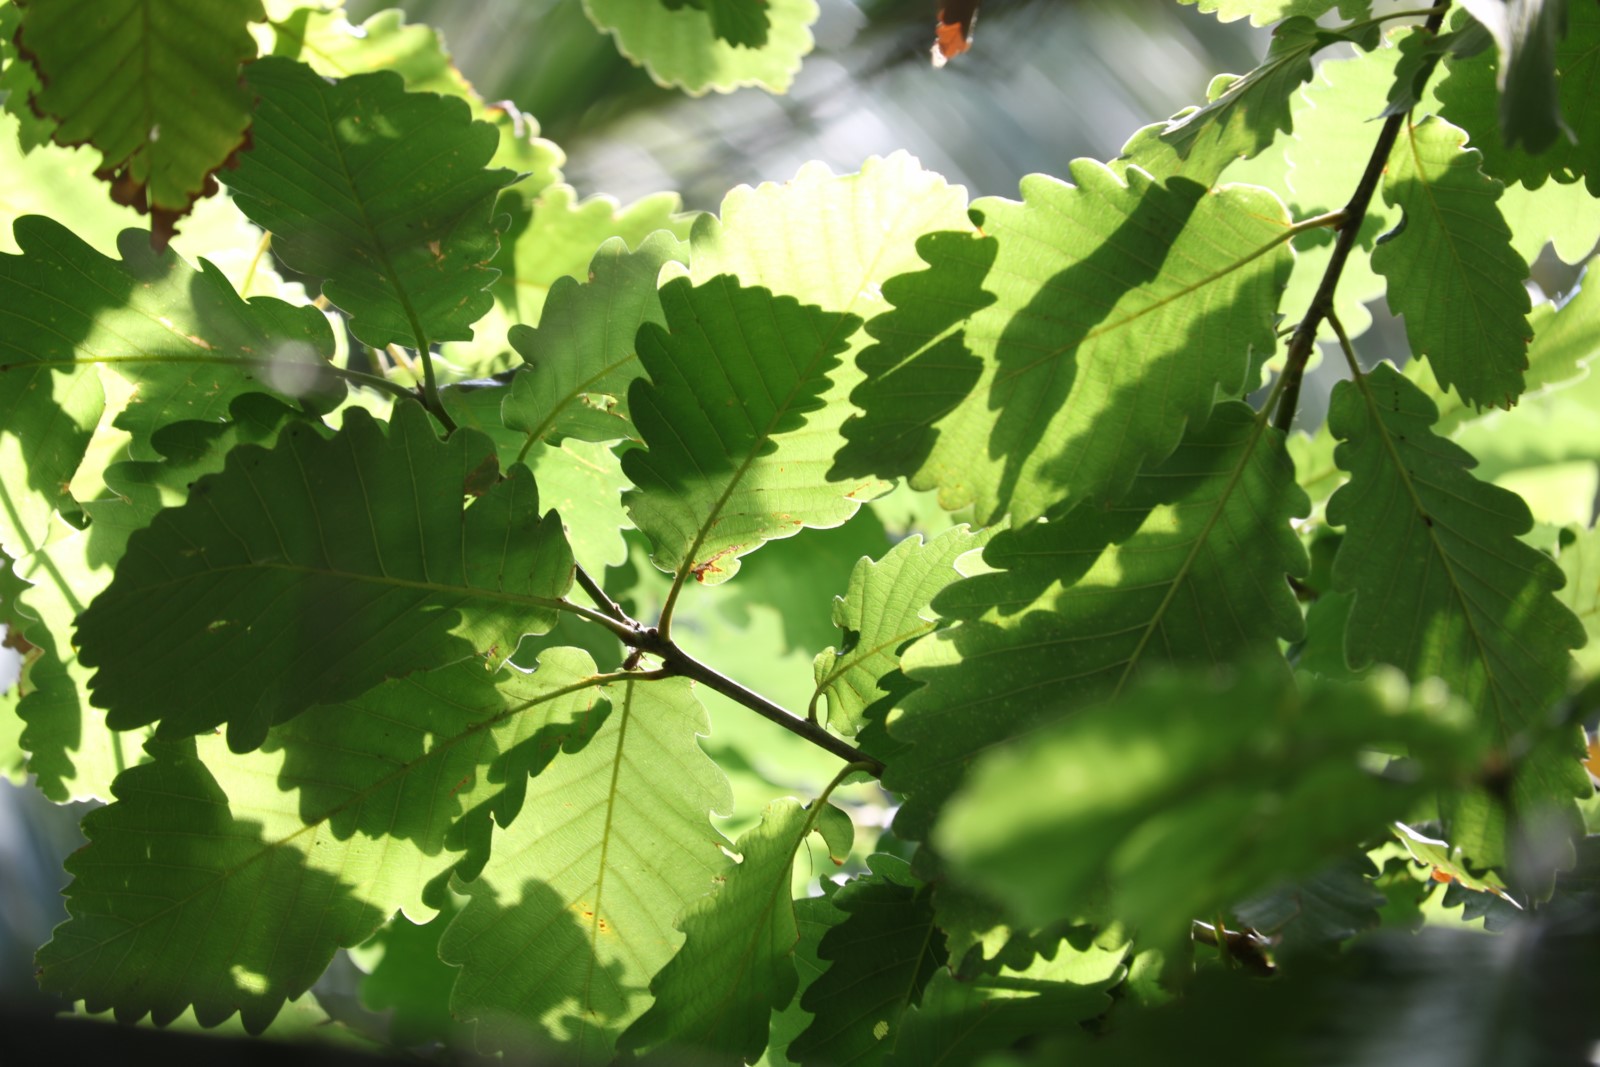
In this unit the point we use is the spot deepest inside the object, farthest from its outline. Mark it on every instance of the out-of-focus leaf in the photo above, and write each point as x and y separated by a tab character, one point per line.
1263	12
1188	568
1237	783
1443	588
573	913
1328	907
329	44
689	47
401	247
18	80
1104	318
786	577
1526	33
309	573
739	22
1518	998
1580	562
1469	99
885	608
406	979
1562	216
881	957
1451	269
736	965
129	79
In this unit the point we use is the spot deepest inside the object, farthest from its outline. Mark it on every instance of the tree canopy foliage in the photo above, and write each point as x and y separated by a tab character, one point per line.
386	531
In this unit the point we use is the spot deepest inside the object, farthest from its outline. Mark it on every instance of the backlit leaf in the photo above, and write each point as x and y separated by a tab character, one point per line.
732	458
682	47
154	88
582	357
573	913
300	848
885	608
736	964
1123	310
1254	109
183	337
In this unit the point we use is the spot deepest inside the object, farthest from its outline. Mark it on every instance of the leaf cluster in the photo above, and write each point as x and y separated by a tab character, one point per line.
416	607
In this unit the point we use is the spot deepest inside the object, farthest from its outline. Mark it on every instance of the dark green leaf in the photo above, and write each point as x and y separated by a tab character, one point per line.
881	957
1443	587
739	22
1331	906
1526	33
310	573
1452	272
736	965
960	1019
1469	99
245	906
381	193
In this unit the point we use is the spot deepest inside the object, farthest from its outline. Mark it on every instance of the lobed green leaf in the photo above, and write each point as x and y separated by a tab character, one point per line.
1122	311
736	965
1451	269
381	193
884	610
1444	588
687	46
155	89
311	572
573	913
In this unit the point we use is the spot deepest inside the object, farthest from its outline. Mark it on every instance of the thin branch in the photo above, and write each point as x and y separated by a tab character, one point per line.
1305	335
626	630
598	595
676	661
